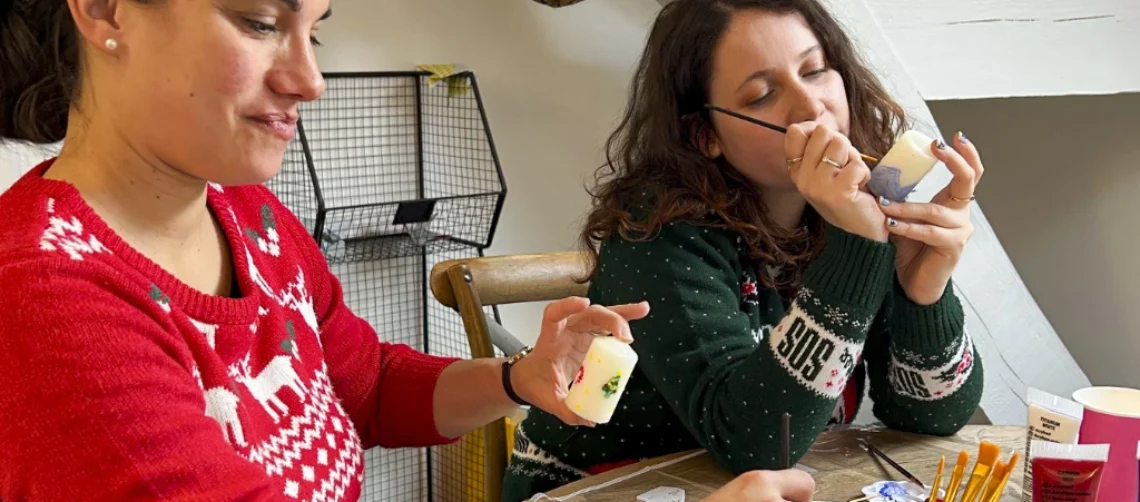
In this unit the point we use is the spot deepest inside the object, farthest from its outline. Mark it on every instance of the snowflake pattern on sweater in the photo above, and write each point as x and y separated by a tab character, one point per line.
256	362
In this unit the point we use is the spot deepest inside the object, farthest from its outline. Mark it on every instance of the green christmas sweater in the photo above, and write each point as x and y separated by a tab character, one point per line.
721	358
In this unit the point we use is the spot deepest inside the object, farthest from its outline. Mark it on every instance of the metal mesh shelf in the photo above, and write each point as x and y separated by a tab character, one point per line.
385	154
392	176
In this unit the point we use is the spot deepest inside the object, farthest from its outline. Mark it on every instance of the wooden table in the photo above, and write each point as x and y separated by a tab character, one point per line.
842	468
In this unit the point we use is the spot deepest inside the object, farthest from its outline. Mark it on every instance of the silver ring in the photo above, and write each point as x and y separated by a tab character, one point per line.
828	160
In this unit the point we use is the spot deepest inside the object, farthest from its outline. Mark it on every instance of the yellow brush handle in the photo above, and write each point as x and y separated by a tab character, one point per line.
991	485
955	483
974	488
937	481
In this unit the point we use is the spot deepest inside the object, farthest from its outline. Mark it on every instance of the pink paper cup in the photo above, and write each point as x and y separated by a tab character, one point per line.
1112	416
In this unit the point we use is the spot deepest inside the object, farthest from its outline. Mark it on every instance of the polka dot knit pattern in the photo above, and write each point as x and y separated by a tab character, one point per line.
123	383
722	358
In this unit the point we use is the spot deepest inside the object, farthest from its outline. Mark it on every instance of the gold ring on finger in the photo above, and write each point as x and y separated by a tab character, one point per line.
827	160
961	199
792	162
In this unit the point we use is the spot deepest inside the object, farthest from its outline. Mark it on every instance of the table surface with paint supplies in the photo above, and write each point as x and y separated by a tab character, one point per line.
1081	450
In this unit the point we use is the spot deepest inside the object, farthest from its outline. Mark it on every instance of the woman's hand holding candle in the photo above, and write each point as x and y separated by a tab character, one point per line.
930	237
569	326
830	174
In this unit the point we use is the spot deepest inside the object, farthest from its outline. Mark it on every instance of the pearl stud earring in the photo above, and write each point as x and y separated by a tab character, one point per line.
111	44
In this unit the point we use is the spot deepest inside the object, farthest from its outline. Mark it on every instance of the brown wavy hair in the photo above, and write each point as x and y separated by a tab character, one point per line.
655	172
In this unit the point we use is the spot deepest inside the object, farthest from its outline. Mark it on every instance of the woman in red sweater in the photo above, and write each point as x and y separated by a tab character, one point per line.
167	328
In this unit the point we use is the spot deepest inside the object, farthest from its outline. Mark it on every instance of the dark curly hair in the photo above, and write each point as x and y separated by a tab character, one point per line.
40	68
656	149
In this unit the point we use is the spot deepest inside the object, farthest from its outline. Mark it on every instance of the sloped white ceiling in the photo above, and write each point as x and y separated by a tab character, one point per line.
967	49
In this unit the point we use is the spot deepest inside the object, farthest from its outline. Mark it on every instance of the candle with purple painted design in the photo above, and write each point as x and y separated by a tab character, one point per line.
907	162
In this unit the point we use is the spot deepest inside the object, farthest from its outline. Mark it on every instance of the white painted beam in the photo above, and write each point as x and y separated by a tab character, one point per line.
998	48
967	49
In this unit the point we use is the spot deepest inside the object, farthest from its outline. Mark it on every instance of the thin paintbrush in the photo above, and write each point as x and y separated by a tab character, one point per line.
879	453
782	130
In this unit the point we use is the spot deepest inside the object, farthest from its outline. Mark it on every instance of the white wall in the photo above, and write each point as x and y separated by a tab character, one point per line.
1062	191
17	158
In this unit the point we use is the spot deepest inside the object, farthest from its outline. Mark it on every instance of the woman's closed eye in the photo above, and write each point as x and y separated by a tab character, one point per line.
815	73
265	29
764	98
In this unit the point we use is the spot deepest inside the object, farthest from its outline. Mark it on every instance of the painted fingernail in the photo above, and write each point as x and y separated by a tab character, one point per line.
962	137
883	201
942	144
891	222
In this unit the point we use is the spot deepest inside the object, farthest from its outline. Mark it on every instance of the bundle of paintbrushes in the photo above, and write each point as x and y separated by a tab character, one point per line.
985	483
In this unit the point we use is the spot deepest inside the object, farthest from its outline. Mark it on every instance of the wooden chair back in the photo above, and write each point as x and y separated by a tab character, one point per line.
468	285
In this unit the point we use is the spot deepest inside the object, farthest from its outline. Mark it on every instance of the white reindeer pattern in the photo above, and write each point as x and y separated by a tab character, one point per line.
265	385
221	405
209	330
255	274
296	298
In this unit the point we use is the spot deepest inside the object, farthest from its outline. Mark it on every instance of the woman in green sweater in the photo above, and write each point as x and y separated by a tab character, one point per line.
777	284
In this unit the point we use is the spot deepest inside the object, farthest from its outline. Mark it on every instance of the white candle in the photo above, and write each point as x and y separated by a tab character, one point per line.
907	162
600	381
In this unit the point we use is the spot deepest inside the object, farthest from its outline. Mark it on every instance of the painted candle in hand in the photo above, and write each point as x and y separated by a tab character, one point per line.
600	381
907	162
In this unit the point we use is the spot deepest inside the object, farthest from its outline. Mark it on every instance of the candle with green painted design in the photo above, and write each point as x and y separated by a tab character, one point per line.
598	386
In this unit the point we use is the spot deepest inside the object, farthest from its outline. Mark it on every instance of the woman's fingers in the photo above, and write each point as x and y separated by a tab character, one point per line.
558	311
855	172
928	213
795	143
961	188
931	235
631	311
600	320
969	152
817	148
836	155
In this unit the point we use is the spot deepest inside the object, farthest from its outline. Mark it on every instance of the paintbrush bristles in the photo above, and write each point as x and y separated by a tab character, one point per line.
996	495
987	454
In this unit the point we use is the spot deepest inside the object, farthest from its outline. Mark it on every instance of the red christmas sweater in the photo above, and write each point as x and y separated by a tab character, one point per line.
122	383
